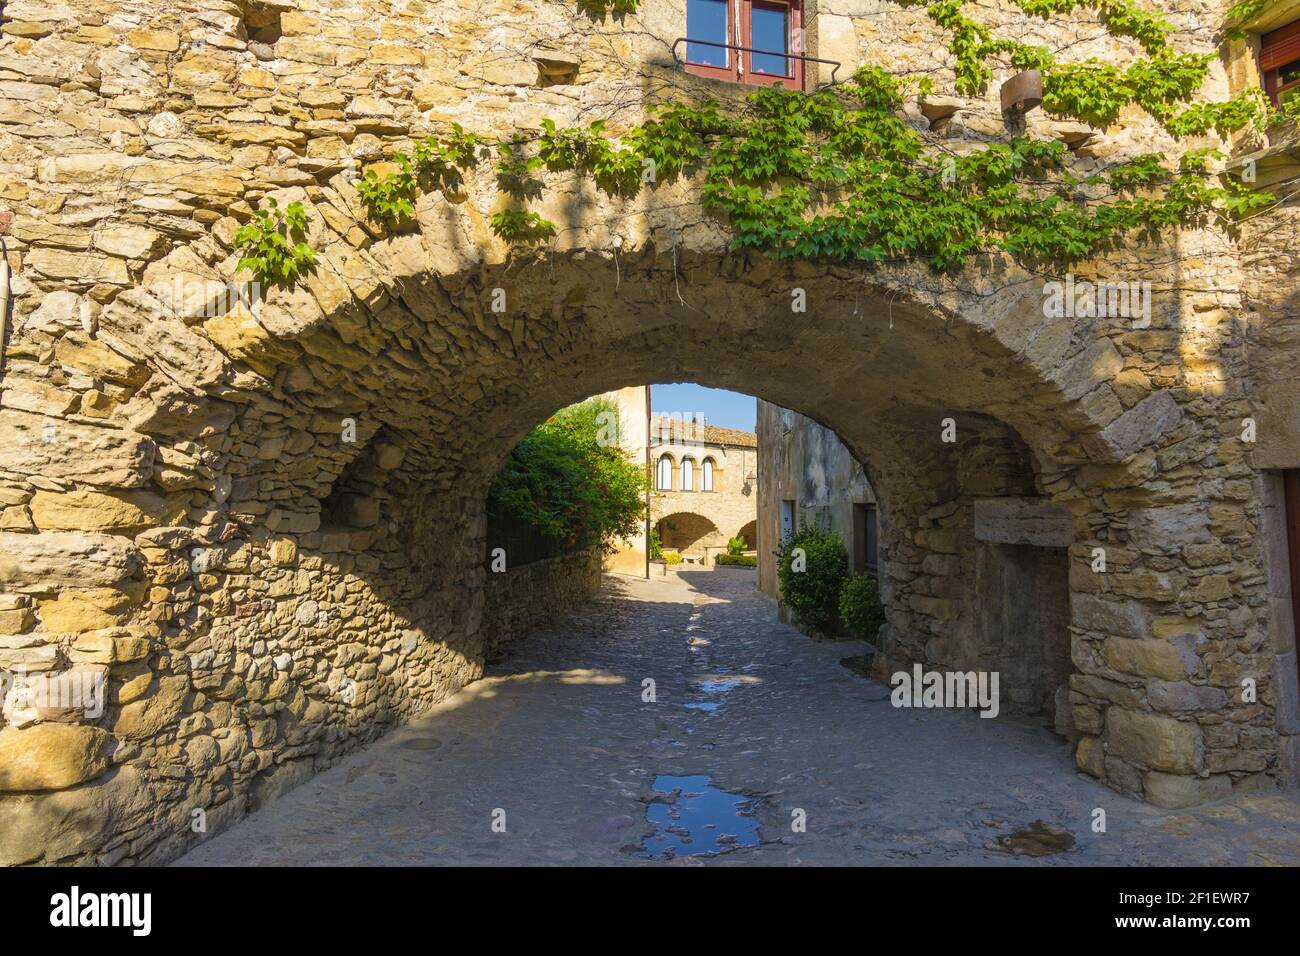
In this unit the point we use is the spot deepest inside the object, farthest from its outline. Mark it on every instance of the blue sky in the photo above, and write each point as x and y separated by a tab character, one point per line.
719	407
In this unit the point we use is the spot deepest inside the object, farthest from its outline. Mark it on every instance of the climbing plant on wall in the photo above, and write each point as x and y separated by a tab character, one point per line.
840	174
273	244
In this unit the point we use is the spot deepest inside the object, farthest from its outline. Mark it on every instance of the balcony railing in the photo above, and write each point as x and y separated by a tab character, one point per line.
835	64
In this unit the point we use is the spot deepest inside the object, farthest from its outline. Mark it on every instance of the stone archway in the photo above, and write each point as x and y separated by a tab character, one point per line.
750	533
689	534
264	527
327	579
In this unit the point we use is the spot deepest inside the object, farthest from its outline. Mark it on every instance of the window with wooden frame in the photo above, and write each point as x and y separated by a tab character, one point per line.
1279	60
746	41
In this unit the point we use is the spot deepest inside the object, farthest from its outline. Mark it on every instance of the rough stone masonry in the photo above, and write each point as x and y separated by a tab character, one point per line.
262	524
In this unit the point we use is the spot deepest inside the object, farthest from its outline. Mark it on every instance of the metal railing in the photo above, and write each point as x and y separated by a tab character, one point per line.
835	64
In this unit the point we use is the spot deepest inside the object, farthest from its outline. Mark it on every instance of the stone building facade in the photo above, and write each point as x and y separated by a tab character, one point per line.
262	529
703	481
706	482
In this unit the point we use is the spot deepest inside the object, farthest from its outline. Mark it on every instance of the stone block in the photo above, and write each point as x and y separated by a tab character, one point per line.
49	827
87	510
61	449
51	756
145	717
1184	697
1146	657
45	563
1154	741
1170	526
1141	426
1090	757
1097	364
1034	521
1110	616
1176	791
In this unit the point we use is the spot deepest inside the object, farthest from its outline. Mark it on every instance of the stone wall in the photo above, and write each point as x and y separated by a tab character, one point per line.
264	527
520	599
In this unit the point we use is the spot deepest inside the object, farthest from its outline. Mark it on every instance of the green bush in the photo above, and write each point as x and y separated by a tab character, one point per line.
568	483
737	560
813	593
672	557
736	545
861	608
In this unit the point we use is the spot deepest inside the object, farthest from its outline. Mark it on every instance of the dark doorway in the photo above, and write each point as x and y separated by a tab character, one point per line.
1291	486
1023	615
864	539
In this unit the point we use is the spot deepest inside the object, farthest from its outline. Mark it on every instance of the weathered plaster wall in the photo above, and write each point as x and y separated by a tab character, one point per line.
804	462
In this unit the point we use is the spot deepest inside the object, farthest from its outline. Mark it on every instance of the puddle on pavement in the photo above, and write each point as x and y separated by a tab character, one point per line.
422	743
1038	839
697	819
719	685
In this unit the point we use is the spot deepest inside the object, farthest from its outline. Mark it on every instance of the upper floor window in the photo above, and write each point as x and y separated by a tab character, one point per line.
1279	60
664	474
745	41
706	475
688	475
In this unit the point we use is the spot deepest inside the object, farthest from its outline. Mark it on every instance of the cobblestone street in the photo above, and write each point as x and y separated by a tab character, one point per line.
767	727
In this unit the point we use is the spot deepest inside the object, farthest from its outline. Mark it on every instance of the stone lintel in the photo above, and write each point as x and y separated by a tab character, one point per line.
1035	521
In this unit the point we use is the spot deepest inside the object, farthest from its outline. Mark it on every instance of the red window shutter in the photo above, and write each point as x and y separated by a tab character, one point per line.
1280	47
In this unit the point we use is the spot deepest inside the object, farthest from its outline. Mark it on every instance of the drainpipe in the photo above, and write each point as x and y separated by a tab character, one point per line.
650	479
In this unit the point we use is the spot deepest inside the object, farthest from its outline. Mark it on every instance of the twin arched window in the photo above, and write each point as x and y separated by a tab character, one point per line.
688	474
706	475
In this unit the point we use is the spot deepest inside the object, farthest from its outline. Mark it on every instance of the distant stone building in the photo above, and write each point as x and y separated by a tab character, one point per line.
807	476
704	481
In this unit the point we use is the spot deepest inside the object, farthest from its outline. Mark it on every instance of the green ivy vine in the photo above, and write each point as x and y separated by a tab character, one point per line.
1239	14
1095	92
600	9
1092	91
274	244
433	163
839	174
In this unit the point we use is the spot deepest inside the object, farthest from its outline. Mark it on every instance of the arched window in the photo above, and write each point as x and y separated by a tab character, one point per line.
706	475
688	474
664	474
